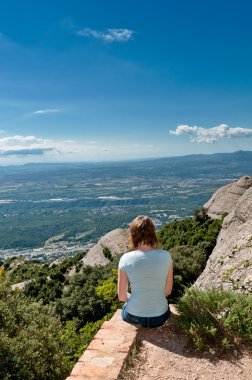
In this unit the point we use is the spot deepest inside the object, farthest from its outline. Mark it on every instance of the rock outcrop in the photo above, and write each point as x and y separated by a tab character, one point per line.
230	264
226	198
113	243
20	285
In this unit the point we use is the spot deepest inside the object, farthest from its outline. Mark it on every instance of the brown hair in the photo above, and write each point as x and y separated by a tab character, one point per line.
142	230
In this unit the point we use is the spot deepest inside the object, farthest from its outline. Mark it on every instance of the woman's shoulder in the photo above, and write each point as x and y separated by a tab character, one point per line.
126	257
163	251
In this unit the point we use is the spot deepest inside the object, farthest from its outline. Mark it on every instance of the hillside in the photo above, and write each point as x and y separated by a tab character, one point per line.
230	264
110	245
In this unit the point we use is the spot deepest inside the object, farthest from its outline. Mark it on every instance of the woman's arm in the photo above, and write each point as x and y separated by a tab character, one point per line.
169	281
122	285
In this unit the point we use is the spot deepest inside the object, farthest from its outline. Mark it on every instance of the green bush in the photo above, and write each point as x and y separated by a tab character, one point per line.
191	231
216	318
107	291
26	271
80	301
45	289
190	242
188	262
75	342
29	336
107	253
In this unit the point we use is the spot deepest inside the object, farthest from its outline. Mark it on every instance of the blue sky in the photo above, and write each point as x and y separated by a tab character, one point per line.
87	80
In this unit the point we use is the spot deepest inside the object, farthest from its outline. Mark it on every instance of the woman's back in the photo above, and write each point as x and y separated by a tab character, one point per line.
147	272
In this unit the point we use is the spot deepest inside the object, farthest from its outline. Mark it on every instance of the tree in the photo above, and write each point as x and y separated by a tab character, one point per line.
190	242
189	262
200	215
107	253
29	336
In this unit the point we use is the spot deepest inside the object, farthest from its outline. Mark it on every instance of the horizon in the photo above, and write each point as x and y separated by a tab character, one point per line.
125	160
99	82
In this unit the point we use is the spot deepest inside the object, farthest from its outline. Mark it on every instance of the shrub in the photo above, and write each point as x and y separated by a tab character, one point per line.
190	242
107	291
107	254
189	262
80	301
30	346
191	231
75	342
216	318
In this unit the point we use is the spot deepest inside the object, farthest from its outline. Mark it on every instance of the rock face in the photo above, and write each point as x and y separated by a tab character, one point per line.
226	198
20	285
115	243
230	264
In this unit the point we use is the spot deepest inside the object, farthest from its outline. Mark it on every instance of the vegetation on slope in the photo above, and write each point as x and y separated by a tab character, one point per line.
190	242
80	302
30	347
216	319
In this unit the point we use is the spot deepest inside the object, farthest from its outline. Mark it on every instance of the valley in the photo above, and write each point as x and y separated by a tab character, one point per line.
69	206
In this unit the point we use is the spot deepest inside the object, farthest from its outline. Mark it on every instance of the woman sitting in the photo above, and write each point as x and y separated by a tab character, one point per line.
149	271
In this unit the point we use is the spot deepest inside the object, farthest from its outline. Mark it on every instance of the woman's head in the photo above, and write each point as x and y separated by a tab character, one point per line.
142	231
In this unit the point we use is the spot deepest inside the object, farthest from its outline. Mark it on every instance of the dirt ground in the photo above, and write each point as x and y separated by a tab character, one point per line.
165	353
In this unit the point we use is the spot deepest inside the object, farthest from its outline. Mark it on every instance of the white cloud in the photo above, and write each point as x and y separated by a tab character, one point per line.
20	149
110	35
26	146
211	135
25	152
18	141
49	110
35	146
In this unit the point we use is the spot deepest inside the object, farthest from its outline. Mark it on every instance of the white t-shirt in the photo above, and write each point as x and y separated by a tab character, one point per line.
147	272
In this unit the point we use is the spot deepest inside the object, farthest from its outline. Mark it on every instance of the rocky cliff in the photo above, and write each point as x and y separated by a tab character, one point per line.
113	243
230	264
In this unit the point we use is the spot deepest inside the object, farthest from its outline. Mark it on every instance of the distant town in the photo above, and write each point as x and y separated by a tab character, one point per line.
48	253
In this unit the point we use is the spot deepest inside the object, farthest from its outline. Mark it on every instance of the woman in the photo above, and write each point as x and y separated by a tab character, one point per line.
149	271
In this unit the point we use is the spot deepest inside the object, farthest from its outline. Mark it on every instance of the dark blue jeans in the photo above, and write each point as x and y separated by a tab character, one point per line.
145	321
